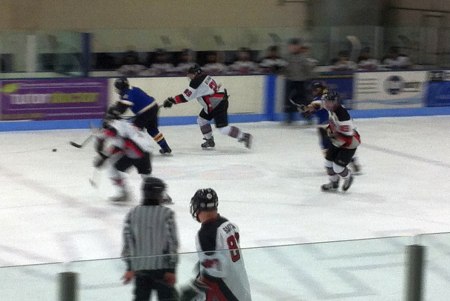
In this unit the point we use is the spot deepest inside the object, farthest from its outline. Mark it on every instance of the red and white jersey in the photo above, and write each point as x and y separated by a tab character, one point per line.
124	137
205	89
342	131
222	266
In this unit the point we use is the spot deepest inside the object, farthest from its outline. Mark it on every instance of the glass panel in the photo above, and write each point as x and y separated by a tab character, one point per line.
372	269
27	54
54	54
32	282
437	266
358	270
59	52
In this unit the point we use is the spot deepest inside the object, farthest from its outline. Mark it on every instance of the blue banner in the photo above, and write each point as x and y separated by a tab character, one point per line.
438	89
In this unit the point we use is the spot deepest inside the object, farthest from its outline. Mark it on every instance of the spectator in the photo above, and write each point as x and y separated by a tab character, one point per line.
366	61
243	64
149	232
396	60
222	270
298	73
272	62
212	65
186	60
343	63
130	65
161	64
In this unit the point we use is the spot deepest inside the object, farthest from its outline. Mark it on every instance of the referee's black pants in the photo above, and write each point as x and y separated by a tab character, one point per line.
149	280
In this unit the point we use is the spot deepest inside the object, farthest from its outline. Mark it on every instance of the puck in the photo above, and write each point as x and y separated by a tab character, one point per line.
54	150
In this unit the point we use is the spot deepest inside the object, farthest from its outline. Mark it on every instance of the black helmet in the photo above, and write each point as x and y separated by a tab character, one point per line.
153	189
195	69
122	84
203	200
317	85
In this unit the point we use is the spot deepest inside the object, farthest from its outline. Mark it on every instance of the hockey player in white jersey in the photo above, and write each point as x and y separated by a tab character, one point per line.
319	90
215	107
222	274
344	141
125	145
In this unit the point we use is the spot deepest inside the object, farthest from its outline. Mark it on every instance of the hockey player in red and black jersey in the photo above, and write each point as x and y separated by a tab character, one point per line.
125	145
319	91
215	107
344	141
222	274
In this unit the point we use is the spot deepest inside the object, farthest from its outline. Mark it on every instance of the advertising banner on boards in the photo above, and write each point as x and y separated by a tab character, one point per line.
438	89
53	99
389	90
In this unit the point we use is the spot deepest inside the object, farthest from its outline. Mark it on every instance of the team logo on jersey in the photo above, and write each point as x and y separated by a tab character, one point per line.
394	84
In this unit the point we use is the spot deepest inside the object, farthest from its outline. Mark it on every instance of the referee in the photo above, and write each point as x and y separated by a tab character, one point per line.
151	244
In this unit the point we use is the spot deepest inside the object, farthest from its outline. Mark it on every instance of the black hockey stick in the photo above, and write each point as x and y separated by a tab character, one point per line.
95	179
82	144
301	107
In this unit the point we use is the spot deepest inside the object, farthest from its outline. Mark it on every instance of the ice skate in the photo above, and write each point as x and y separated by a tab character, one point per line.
331	186
209	143
247	140
347	183
356	168
123	197
165	151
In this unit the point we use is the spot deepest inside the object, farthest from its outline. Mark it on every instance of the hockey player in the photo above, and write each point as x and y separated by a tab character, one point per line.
316	107
215	106
144	107
344	140
125	145
222	271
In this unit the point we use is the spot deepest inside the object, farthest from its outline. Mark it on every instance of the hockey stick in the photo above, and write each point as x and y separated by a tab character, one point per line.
301	107
82	144
356	47
95	179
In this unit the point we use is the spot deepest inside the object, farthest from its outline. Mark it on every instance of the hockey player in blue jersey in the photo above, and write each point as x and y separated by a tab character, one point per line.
318	89
145	109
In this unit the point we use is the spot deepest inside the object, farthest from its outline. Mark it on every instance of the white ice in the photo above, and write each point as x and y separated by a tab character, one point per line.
50	213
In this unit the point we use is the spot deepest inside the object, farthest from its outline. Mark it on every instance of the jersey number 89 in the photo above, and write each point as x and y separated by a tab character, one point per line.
233	247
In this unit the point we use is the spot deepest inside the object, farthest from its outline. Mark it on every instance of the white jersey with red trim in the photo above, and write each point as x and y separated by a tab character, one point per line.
124	137
342	132
205	89
221	263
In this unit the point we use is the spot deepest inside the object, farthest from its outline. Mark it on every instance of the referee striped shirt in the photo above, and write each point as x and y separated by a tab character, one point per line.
150	238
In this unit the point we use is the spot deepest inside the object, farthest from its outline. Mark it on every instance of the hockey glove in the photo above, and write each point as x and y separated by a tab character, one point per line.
193	291
169	102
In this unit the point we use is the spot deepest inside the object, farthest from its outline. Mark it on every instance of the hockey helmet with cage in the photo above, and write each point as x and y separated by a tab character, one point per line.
122	84
331	100
153	190
331	96
203	200
195	69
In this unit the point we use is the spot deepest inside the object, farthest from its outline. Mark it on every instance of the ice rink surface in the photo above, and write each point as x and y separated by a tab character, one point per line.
50	212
